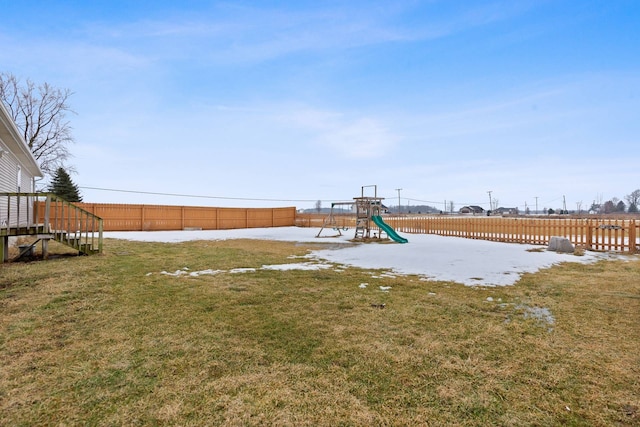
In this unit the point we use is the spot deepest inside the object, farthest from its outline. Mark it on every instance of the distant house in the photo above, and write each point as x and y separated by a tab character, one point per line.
18	172
471	210
506	211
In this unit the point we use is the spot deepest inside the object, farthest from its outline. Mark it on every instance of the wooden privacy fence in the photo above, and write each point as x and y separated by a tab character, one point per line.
619	235
316	220
126	217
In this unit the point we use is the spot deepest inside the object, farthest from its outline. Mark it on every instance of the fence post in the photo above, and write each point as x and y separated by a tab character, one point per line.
100	231
4	248
632	236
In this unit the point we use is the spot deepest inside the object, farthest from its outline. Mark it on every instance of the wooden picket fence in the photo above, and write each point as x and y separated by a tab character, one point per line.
599	234
131	217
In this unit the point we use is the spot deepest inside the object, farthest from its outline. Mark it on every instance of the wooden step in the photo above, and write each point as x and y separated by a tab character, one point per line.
87	248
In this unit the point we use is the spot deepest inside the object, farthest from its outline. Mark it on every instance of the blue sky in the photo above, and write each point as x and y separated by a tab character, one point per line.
281	103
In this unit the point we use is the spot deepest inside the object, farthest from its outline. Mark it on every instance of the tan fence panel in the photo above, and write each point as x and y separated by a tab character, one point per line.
258	218
317	220
117	217
282	217
125	217
232	218
204	218
157	218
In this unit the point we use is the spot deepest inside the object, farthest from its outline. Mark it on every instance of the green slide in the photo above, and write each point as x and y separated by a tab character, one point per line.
387	229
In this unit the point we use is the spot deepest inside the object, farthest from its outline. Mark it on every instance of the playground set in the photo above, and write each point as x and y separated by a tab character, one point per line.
368	214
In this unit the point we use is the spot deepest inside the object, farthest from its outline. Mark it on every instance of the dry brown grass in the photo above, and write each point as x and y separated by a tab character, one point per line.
99	340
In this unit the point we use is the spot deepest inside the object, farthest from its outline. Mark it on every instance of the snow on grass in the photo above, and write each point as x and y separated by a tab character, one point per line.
431	257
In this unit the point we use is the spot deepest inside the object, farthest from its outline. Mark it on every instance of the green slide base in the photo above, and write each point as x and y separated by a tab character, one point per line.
387	229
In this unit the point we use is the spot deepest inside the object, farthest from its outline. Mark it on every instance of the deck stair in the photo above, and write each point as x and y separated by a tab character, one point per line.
47	217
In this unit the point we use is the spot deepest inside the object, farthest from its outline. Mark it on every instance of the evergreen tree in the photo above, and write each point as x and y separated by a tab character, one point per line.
63	186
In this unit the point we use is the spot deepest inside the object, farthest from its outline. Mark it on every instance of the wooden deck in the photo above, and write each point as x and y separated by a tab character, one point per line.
42	217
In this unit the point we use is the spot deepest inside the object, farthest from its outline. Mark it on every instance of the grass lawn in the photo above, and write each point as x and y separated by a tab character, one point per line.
100	341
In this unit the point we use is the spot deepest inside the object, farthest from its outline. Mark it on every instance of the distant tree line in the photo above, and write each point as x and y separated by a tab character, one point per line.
616	205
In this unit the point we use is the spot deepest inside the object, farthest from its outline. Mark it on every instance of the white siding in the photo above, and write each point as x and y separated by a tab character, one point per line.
7	166
17	168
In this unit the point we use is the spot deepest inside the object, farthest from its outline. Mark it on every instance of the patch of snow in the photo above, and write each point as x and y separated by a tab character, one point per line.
242	270
204	273
431	257
542	314
298	266
175	273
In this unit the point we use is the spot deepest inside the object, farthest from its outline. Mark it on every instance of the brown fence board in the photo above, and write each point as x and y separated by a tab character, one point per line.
601	234
131	217
620	235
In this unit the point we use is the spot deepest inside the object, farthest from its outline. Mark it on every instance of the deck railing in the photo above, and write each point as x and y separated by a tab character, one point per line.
72	225
19	213
48	216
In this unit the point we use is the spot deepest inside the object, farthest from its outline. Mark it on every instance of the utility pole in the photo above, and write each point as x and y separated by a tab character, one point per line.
536	197
399	208
490	203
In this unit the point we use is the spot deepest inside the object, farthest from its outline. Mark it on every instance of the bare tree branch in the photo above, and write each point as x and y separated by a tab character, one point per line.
40	114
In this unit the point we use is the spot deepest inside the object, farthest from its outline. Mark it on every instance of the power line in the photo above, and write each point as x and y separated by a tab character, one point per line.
250	199
440	202
201	196
399	205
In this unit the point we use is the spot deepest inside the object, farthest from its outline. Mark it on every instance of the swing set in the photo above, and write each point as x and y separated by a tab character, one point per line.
330	221
368	215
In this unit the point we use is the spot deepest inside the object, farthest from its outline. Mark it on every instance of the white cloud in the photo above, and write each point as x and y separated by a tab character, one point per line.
360	139
342	134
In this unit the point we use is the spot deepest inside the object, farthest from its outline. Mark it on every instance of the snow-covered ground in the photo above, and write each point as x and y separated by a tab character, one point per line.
471	262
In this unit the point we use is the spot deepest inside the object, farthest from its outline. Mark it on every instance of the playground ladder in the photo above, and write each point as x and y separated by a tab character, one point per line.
361	227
